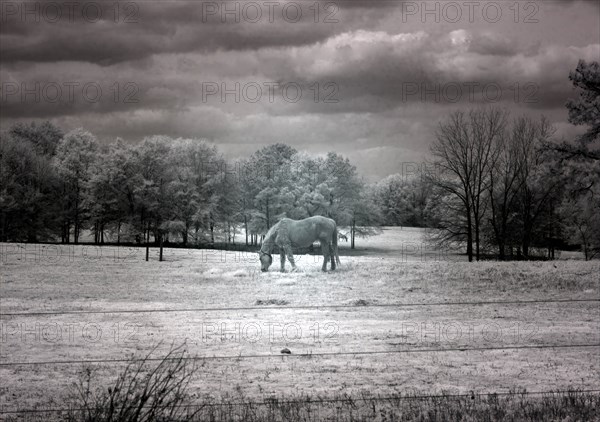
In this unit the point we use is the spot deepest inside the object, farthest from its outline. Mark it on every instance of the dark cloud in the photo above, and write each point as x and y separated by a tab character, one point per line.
360	71
152	28
374	85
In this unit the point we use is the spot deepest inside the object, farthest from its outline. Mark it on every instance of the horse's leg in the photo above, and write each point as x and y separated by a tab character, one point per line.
324	250
288	252
332	255
282	257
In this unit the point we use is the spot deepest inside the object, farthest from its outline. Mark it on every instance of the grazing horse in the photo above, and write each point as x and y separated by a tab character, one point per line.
343	237
287	234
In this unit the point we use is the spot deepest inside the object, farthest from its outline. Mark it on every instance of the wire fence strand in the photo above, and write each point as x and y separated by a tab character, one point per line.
309	355
295	307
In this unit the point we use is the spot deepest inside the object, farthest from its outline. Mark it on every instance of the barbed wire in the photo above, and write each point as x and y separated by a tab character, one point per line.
336	400
308	307
300	355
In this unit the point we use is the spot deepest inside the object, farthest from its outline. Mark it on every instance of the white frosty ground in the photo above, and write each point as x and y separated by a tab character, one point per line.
38	279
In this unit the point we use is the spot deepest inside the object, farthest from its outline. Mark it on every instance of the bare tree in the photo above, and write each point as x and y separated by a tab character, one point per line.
505	185
465	152
537	186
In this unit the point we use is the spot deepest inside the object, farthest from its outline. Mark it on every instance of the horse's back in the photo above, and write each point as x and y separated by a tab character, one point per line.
305	232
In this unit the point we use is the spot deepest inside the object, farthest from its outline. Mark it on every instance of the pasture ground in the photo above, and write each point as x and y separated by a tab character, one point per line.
378	325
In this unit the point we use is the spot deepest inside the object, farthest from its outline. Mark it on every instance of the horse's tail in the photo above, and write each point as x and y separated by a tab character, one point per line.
334	246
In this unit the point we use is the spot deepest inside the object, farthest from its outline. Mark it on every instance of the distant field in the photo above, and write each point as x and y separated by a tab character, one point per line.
405	243
364	324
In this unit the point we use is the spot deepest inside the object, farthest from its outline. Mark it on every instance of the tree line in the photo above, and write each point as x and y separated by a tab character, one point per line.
56	185
504	185
496	186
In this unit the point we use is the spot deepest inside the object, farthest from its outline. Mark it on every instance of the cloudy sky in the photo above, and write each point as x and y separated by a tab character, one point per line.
367	78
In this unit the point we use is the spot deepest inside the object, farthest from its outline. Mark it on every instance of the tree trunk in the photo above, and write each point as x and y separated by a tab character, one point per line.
502	238
148	241
584	243
501	253
469	235
267	215
184	234
160	241
525	244
477	239
246	228
156	234
469	230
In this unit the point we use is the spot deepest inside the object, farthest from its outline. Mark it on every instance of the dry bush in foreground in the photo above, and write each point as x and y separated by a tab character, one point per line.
144	391
516	406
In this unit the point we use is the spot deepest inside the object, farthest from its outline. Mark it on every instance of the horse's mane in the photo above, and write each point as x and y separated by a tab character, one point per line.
269	241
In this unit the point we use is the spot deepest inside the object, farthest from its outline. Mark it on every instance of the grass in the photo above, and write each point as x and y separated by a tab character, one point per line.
147	391
56	278
515	406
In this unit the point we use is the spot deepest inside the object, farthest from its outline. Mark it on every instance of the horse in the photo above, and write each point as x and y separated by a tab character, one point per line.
343	237
288	233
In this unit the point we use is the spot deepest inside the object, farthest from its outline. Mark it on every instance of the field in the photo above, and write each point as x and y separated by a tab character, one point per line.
395	318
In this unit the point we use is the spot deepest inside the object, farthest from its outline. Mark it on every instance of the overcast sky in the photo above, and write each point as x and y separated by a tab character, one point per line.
368	79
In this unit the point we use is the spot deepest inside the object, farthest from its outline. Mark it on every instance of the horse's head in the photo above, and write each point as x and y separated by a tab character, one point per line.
265	261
